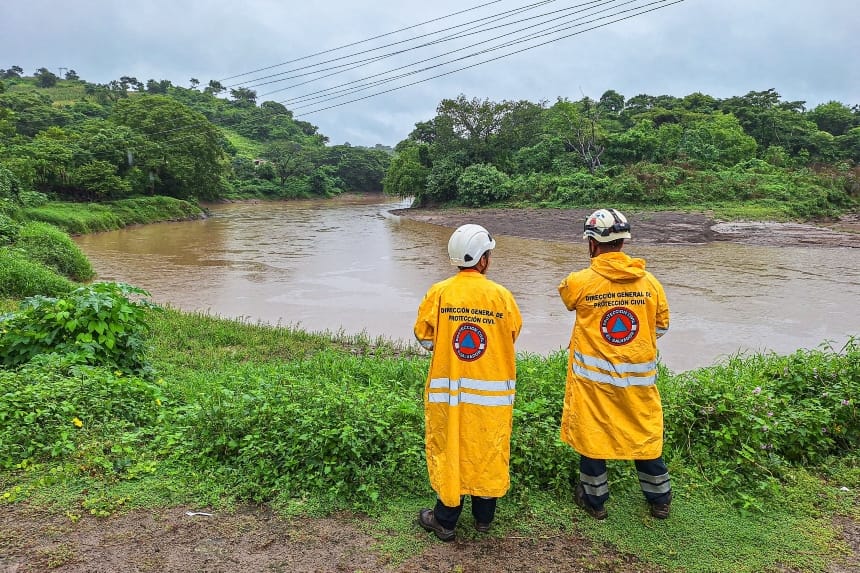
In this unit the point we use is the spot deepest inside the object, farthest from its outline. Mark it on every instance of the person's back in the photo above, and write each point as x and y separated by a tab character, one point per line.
471	324
618	308
612	407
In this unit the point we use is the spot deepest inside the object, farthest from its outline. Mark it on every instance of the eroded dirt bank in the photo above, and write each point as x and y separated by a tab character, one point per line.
647	227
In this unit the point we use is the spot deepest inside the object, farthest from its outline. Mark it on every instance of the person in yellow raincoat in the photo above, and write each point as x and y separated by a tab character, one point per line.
612	407
470	323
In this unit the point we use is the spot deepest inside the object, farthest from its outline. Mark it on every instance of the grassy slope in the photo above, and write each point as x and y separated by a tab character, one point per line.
198	354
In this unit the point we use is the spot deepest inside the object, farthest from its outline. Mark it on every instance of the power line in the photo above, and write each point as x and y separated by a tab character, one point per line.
531	35
360	41
496	17
438	41
492	59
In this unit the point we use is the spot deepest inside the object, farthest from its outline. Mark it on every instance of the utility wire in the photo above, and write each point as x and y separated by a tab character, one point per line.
360	41
529	36
361	63
663	4
492	59
491	19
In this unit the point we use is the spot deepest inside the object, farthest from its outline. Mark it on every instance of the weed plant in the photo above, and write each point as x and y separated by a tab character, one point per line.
101	324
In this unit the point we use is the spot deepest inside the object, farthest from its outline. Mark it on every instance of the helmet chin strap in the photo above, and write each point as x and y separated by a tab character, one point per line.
592	247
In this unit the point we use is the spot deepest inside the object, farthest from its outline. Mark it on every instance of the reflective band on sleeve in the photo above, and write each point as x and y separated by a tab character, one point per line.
661	332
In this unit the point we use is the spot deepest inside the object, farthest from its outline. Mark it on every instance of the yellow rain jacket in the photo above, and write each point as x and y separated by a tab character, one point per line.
612	406
472	324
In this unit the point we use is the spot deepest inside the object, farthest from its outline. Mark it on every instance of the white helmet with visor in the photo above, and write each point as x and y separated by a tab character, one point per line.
606	225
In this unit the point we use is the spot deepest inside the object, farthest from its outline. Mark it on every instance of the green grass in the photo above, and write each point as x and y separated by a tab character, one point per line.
222	380
79	218
64	92
244	146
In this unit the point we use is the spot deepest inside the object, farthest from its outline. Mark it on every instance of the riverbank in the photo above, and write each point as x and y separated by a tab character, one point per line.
648	227
303	452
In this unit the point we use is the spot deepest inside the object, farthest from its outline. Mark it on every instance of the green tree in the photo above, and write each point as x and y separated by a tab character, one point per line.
158	86
244	97
611	102
45	78
99	180
407	175
358	168
578	126
717	140
834	118
289	160
182	157
33	112
214	88
12	72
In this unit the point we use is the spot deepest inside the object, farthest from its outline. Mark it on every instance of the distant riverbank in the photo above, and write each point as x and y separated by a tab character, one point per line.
649	227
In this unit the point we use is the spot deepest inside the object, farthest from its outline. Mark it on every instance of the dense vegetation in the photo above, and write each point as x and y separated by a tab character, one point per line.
73	140
655	151
107	401
212	411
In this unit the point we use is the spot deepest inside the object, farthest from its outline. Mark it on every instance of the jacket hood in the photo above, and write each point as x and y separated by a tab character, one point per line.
618	267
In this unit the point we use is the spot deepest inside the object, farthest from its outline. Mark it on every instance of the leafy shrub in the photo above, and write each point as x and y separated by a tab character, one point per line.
32	198
341	427
10	186
744	422
539	459
481	184
21	277
581	188
53	248
52	405
100	324
9	230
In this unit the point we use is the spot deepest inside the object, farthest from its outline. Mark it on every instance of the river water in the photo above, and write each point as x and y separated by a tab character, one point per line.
347	265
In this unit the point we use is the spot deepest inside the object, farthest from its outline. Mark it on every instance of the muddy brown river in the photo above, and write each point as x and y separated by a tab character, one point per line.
348	265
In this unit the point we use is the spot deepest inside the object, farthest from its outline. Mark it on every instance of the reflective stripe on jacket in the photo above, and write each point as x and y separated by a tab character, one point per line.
472	323
612	407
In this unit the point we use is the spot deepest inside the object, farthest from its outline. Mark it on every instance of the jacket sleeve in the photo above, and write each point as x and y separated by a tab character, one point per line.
425	324
662	320
516	318
569	292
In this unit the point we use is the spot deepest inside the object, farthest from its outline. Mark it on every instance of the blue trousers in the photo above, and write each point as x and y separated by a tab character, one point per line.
483	510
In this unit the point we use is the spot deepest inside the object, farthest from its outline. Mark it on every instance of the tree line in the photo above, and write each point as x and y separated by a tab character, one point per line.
68	139
651	150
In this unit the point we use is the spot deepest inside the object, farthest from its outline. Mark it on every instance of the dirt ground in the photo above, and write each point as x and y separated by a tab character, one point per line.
565	225
181	540
171	540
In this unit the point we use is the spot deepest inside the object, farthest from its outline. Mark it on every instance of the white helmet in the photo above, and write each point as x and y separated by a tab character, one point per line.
606	225
467	244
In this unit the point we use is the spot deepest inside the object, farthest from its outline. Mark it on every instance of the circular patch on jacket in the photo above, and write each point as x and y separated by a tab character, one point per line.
619	326
470	342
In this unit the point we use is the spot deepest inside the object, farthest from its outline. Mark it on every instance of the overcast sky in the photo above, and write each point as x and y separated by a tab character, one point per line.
804	50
